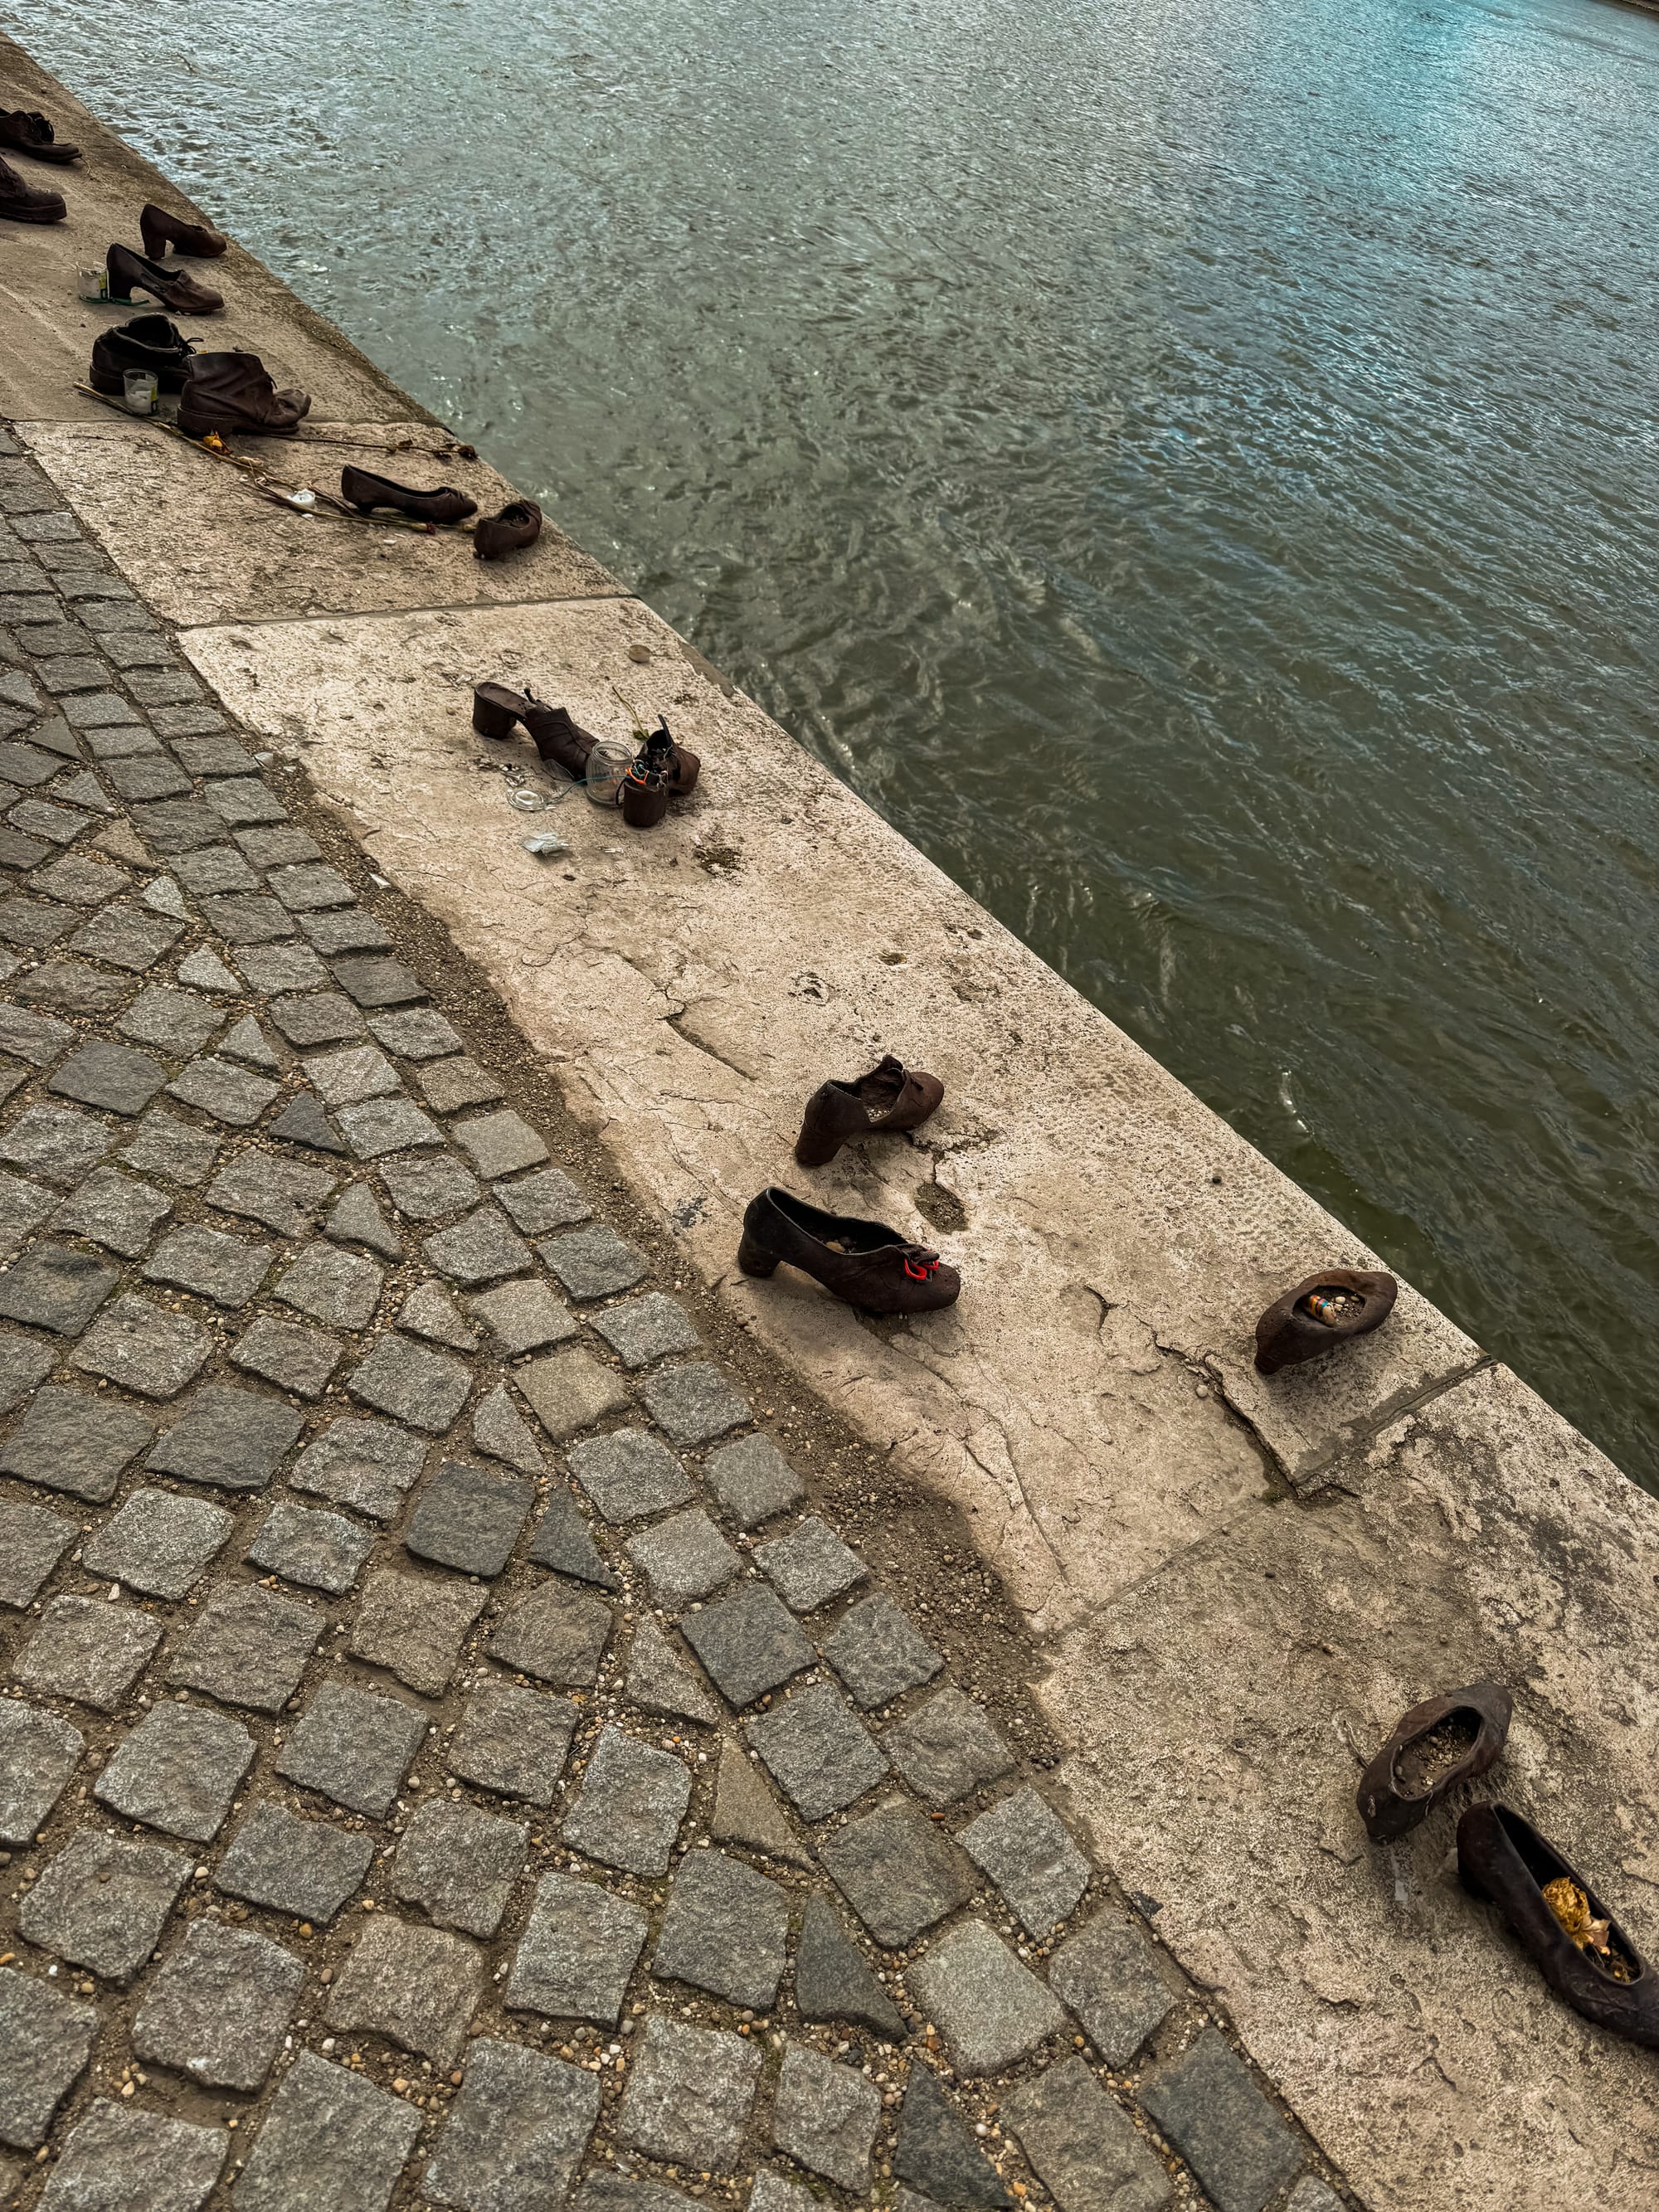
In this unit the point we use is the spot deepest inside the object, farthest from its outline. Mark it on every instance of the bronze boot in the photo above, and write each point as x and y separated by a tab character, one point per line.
863	1263
1324	1311
231	392
161	231
23	130
890	1099
20	202
497	711
147	342
1444	1741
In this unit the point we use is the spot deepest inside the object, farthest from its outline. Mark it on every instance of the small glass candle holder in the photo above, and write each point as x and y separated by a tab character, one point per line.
92	283
607	764
140	391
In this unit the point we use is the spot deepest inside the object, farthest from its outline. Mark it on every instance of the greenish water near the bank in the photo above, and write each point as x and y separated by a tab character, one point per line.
1193	466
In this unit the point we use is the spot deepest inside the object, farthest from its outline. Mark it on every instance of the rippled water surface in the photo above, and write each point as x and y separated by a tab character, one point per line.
1194	467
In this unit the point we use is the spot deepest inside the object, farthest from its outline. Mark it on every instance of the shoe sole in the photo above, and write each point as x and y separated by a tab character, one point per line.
32	214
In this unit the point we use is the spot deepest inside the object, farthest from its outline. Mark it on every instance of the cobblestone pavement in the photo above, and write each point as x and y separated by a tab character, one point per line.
443	1757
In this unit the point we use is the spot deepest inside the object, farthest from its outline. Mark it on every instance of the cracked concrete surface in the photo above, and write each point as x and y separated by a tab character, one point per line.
1239	1581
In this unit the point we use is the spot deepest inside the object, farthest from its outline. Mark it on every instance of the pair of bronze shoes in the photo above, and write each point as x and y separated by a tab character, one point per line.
864	1263
663	770
24	132
1559	1920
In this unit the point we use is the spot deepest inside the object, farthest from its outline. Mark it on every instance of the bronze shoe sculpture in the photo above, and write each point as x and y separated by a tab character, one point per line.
1439	1744
20	202
518	525
644	795
863	1263
366	492
497	711
1322	1311
131	274
678	767
161	231
889	1100
228	392
1558	1921
147	342
25	132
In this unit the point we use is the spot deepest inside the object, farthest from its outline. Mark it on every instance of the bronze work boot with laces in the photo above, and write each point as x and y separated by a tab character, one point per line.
23	130
228	392
889	1100
863	1263
21	202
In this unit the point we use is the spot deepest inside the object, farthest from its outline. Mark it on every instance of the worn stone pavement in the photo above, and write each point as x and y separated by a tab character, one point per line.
444	1757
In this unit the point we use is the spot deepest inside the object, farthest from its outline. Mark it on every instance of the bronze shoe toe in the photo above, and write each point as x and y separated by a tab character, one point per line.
22	202
24	130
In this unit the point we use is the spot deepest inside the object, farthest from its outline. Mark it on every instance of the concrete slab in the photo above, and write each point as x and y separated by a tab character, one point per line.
49	331
1225	1708
202	545
1117	1239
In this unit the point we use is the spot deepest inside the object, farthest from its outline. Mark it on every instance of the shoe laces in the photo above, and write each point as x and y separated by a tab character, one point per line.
920	1264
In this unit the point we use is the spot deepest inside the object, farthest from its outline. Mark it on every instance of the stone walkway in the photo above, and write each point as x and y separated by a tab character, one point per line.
443	1757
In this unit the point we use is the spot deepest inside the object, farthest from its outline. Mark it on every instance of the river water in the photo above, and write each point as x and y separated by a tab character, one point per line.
1195	467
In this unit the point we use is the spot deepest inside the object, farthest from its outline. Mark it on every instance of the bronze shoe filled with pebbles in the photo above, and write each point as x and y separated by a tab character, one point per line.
1444	1741
1322	1311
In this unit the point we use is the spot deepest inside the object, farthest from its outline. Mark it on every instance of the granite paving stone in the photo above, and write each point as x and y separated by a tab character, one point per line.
325	1017
226	1269
470	1518
306	888
354	1746
570	1391
179	1771
523	1316
376	983
55	1286
218	868
322	1551
113	1076
159	1542
689	2095
205	971
947	1748
227	1092
58	825
415	1626
557	1634
459	1865
425	1189
167	1146
142	1348
379	1126
420	1033
245	1040
694	1403
23	1207
724	1930
1207	2105
38	1752
176	825
302	1121
516	2133
88	1650
125	936
283	1194
218	2008
240	919
34	923
290	1354
114	1210
450	1085
499	1429
72	1440
1084	2146
633	1800
209	756
83	881
357	1219
178	1023
366	1464
32	1541
825	2116
1023	1845
753	1480
332	2142
745	1812
248	1646
147	776
102	1902
305	1867
629	1474
546	1201
429	1311
45	2040
232	1438
1313	2194
425	1388
818	1751
500	1144
417	1986
991	2010
281	847
239	800
879	1653
833	1979
56	1143
347	929
36	1038
481	1248
936	2152
563	1539
685	1556
591	1263
117	2159
604	2190
577	1952
642	1330
512	1740
899	1871
748	1642
73	986
810	1564
348	1077
772	2193
341	1289
659	1680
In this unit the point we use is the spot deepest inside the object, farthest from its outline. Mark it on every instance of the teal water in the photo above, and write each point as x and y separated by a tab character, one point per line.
1194	467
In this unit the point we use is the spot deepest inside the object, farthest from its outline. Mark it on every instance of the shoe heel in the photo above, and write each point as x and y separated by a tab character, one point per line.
754	1259
490	720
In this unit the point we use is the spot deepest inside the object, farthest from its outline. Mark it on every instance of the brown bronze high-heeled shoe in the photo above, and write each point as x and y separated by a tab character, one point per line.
130	273
889	1100
1322	1311
1439	1744
497	711
366	493
864	1263
1558	1921
161	231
